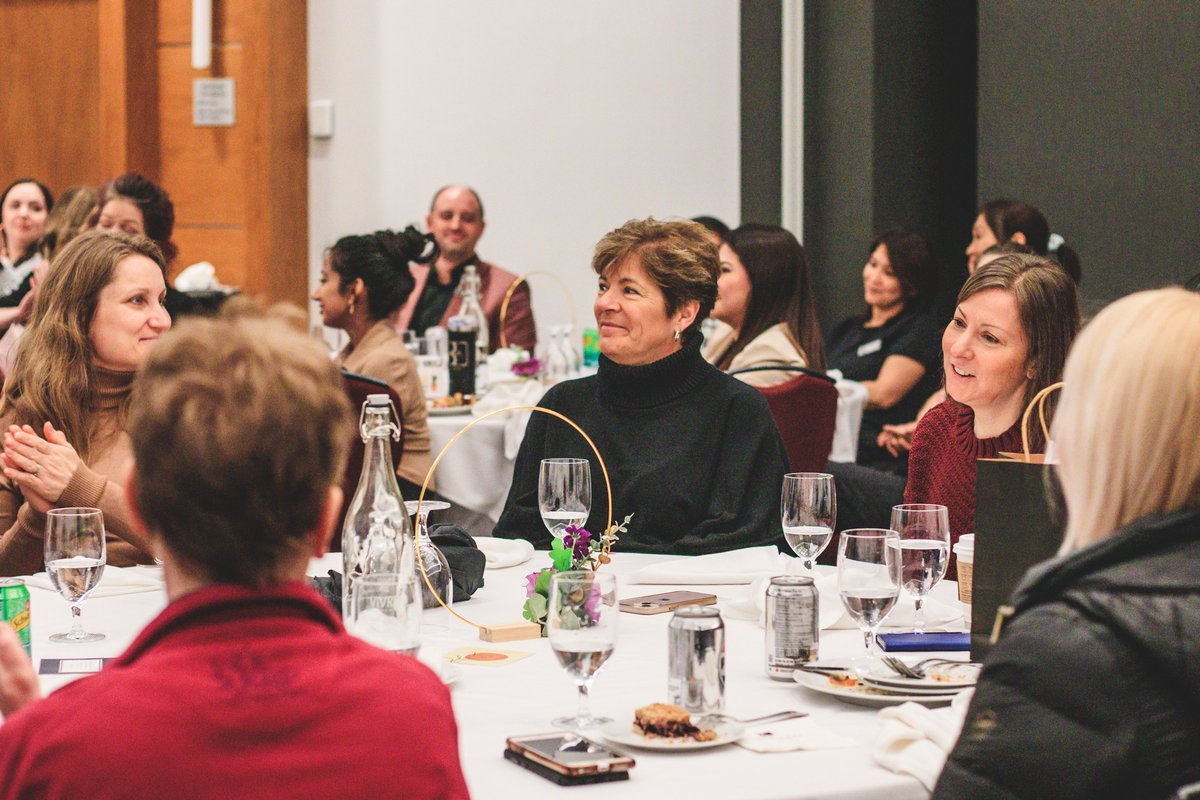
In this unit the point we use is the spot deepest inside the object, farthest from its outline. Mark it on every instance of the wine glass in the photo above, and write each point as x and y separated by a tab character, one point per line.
564	493
75	555
808	509
868	571
924	531
385	610
437	568
582	626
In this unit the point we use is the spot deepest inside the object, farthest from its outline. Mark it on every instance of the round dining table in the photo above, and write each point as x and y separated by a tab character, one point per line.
495	701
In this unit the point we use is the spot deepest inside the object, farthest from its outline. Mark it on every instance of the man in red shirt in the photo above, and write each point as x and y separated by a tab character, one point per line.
246	685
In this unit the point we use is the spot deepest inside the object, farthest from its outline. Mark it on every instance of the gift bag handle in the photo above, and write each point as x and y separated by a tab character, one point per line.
1039	400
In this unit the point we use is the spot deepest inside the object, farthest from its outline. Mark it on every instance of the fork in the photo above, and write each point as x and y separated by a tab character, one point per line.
917	671
778	716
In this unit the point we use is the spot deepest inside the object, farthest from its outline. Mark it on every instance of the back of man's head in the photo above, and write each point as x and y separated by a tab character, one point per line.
239	429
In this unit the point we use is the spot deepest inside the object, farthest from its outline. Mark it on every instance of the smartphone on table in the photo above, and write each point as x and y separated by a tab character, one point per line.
568	759
665	601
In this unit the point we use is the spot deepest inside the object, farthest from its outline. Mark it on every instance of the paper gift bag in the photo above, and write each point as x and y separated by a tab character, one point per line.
1018	523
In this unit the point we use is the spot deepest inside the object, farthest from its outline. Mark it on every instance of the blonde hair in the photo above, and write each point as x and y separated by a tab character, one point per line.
54	373
1127	421
68	219
678	255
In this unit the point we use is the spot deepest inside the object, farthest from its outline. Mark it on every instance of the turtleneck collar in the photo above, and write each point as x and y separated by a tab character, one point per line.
111	389
964	434
656	383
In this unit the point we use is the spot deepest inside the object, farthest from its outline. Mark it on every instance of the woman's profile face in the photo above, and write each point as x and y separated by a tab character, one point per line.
631	315
986	353
733	290
335	306
881	287
982	237
23	217
130	315
121	216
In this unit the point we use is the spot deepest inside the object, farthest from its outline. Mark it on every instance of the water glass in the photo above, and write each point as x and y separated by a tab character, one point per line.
868	573
75	553
385	610
924	531
582	626
564	493
808	508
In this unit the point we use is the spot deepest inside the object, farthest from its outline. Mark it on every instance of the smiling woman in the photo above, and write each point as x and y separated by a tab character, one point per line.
1015	320
99	313
693	454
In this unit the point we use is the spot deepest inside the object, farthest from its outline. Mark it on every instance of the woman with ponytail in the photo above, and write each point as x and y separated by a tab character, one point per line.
363	281
1002	221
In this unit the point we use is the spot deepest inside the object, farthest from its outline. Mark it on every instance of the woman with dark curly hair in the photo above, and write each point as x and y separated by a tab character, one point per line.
363	281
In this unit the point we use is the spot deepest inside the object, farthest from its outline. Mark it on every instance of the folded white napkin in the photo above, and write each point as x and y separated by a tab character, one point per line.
915	740
501	553
734	566
503	395
792	734
751	604
115	581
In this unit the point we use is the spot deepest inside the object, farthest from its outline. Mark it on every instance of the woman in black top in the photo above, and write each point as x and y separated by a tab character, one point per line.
892	349
693	453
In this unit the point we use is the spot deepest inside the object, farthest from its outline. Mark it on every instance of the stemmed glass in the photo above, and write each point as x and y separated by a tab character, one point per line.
868	571
582	625
808	509
385	610
924	531
564	493
437	568
75	555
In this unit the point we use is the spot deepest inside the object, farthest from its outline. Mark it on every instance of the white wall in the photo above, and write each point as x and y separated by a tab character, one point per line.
568	118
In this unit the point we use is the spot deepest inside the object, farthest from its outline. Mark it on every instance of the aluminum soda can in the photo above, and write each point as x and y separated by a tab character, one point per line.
14	610
696	669
792	625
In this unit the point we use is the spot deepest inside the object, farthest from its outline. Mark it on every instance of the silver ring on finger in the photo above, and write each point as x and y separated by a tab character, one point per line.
36	470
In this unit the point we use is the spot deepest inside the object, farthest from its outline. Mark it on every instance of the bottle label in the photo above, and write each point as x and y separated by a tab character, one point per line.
461	362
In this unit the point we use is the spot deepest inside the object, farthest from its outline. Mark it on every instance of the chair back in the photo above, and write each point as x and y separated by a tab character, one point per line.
805	411
357	388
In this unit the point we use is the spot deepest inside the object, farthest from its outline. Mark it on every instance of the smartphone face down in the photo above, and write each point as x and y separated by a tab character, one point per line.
569	753
666	601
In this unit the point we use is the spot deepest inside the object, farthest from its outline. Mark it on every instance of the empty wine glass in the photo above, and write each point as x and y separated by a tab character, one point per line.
385	610
75	555
564	493
868	570
582	626
809	510
437	568
924	531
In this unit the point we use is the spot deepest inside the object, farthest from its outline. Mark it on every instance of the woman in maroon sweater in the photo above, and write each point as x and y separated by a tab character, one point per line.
1015	320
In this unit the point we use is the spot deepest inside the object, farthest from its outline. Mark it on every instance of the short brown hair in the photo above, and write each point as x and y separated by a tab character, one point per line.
678	255
1048	306
238	429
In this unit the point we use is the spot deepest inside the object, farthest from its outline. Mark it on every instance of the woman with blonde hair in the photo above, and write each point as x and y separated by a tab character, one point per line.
64	407
1092	689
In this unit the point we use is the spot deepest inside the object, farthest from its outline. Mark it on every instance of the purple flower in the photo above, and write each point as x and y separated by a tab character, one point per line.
527	369
531	583
591	603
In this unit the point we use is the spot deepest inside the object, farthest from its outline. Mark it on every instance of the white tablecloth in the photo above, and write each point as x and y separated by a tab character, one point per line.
493	703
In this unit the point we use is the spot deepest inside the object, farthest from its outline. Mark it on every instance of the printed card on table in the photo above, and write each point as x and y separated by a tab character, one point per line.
484	656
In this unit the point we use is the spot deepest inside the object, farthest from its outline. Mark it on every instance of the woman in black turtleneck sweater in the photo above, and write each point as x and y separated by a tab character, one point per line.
692	453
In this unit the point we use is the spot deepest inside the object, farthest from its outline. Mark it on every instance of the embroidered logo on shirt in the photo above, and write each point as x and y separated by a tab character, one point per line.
870	347
249	676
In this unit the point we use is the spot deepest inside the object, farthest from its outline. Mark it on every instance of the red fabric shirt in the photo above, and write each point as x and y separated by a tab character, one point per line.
233	693
941	466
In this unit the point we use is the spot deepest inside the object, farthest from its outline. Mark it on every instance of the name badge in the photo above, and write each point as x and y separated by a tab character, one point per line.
870	347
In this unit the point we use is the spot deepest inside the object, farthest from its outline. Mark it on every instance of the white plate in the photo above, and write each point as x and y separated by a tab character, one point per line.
952	678
448	411
622	732
865	696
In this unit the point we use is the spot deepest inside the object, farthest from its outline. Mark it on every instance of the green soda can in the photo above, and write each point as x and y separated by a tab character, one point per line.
14	609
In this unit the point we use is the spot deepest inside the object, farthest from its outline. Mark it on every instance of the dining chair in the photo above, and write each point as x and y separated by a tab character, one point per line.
805	411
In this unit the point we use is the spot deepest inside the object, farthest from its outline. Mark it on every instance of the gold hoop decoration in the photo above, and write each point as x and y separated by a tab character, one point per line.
455	438
513	288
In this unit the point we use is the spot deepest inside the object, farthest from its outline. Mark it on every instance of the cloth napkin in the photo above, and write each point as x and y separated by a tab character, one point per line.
501	553
915	740
751	604
732	567
510	393
115	581
792	734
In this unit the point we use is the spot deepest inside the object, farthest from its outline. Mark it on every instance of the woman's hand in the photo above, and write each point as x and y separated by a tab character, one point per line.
25	307
41	467
18	682
897	438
